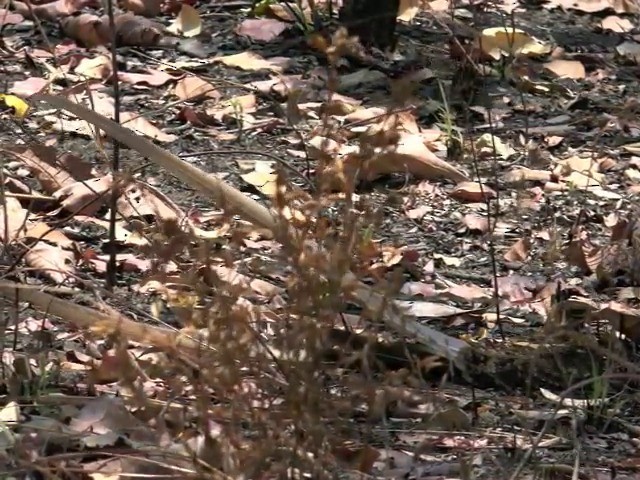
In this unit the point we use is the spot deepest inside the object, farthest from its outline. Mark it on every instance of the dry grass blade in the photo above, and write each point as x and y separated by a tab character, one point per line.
235	201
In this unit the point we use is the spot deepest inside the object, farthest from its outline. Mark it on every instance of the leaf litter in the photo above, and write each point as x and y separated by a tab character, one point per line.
419	233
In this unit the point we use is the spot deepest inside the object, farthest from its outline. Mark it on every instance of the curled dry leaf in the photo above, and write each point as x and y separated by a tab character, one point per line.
506	41
409	155
472	192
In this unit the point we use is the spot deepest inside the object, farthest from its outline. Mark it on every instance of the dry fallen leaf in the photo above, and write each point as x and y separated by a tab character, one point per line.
616	24
472	192
519	251
254	61
566	68
188	22
506	41
195	88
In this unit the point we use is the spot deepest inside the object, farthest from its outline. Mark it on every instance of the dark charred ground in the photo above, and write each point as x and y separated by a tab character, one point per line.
422	44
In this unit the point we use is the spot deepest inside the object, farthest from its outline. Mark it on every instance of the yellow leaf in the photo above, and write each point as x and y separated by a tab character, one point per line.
20	107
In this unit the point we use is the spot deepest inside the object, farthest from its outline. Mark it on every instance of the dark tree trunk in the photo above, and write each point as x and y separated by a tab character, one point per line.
373	21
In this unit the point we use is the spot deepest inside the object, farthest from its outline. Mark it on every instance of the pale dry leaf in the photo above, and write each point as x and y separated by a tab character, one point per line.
616	24
408	9
188	22
566	68
506	41
254	61
99	67
52	261
13	219
261	29
143	126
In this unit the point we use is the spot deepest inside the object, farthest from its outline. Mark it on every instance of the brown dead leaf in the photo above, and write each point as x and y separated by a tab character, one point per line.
143	126
195	88
593	6
52	261
10	18
409	155
52	171
86	197
519	251
43	231
581	253
472	192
